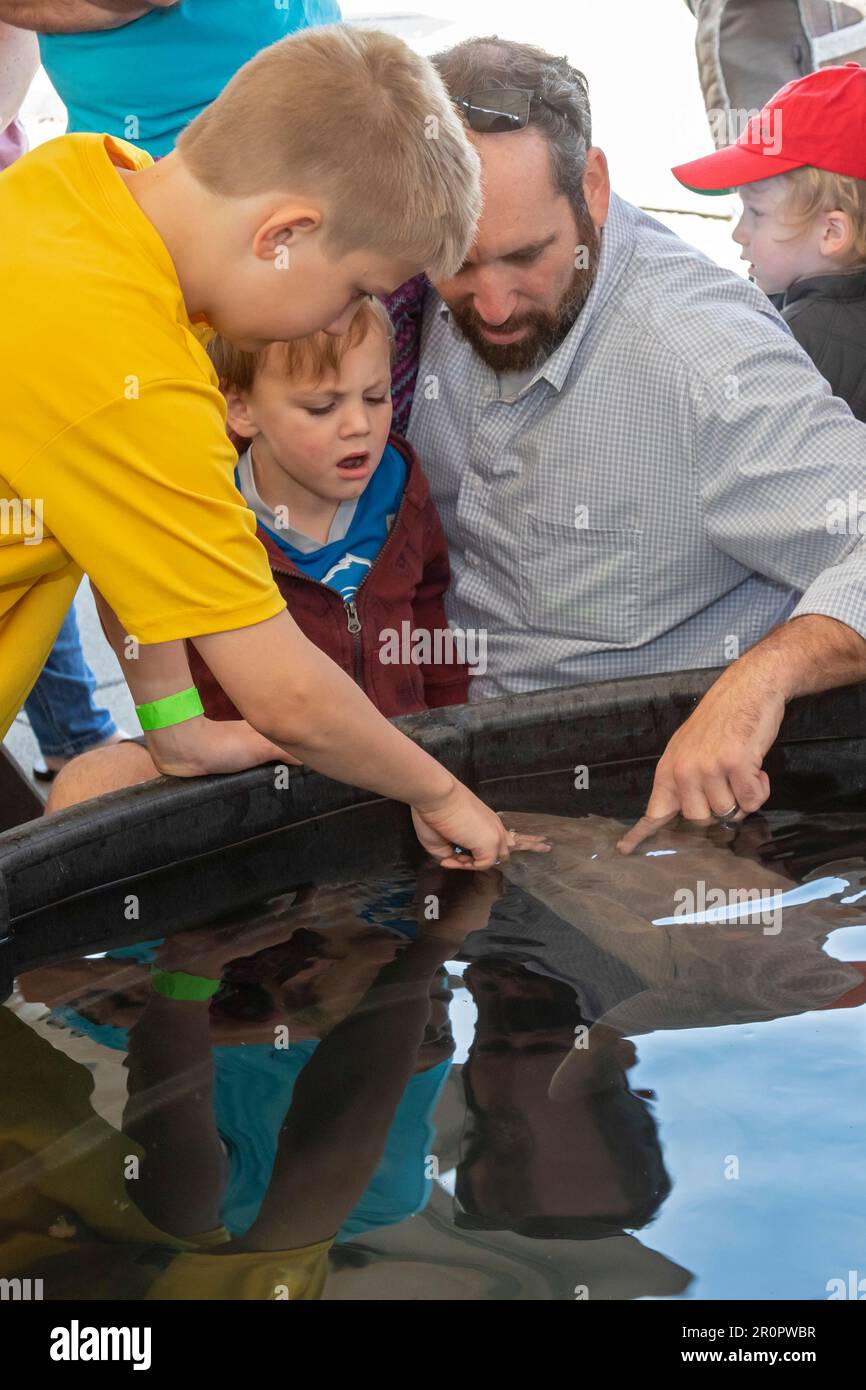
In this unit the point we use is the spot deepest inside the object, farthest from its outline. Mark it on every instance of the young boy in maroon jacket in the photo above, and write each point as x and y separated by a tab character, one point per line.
345	514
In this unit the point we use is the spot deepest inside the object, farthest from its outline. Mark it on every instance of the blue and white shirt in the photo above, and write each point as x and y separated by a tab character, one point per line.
357	533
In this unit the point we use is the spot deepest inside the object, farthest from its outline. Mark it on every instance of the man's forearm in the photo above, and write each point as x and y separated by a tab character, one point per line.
803	656
73	16
713	764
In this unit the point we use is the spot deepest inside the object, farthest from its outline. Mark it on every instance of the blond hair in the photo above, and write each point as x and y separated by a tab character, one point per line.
355	118
303	359
811	191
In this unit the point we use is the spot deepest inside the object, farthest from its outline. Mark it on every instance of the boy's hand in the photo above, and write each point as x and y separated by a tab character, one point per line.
201	746
461	819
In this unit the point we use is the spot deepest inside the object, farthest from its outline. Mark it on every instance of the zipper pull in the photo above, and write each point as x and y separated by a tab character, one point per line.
353	621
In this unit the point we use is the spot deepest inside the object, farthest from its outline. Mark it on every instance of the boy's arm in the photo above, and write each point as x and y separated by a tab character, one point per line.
294	694
293	703
197	746
172	548
346	1096
300	707
76	16
344	1104
443	685
289	690
169	1111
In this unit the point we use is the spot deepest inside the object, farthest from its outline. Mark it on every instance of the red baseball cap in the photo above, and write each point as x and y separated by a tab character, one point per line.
819	120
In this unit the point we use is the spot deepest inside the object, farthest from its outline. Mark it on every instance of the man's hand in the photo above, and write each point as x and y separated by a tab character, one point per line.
713	764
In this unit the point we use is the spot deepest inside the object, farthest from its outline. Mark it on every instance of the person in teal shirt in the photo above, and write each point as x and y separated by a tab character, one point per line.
145	80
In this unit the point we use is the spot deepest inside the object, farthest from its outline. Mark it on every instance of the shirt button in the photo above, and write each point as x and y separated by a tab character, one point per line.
478	484
474	560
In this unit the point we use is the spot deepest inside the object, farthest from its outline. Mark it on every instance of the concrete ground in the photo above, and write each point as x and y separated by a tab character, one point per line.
647	114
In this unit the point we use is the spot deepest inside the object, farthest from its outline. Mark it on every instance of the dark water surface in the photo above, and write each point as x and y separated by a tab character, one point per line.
590	1077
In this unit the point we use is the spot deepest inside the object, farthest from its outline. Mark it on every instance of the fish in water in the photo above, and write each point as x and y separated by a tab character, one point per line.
713	934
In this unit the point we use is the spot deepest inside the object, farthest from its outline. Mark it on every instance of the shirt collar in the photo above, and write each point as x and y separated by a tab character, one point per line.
617	244
288	535
840	284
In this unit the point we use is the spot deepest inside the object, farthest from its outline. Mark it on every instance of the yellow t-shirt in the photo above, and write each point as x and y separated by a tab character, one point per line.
113	455
66	1214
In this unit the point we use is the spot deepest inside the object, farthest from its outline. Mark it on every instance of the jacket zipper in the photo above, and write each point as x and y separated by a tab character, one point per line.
353	622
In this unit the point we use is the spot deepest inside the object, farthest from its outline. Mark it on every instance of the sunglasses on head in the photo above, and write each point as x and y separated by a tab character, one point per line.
495	110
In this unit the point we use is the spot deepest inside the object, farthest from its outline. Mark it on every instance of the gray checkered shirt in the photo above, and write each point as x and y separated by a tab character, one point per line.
666	487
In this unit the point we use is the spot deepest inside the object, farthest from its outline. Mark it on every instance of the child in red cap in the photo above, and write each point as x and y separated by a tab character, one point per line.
800	170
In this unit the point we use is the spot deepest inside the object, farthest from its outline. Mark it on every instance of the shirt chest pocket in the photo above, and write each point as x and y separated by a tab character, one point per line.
579	577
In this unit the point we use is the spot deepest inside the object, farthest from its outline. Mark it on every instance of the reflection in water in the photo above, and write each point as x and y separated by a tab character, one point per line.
556	1143
278	1139
664	954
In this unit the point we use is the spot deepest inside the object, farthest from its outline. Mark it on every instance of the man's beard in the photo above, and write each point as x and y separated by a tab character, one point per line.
546	327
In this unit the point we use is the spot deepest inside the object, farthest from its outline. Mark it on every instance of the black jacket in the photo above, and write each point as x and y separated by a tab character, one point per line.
827	316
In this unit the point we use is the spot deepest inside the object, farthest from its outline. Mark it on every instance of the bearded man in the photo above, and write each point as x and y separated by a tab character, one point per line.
634	461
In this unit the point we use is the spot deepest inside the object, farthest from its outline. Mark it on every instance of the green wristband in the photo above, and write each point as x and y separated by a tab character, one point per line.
176	984
171	709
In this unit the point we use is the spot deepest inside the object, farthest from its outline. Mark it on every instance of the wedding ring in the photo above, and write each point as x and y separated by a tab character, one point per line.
727	814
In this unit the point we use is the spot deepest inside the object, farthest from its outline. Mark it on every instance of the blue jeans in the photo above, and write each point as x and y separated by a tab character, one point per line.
60	706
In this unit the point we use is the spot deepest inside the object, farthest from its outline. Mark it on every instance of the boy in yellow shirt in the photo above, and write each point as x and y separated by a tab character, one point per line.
331	167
